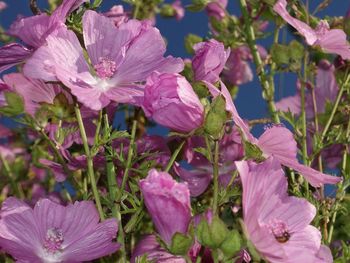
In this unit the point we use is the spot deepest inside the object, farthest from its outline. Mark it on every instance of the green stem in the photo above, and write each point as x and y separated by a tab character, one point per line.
303	121
335	108
216	176
90	165
342	190
174	156
129	158
113	194
15	187
268	90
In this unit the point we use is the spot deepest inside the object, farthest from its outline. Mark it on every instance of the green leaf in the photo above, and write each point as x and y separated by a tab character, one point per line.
232	244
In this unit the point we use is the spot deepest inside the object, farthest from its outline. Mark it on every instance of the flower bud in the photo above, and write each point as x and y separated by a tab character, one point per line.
209	60
170	101
168	203
217	9
212	234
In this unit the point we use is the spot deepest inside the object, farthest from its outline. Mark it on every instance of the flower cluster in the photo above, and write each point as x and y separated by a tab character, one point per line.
84	177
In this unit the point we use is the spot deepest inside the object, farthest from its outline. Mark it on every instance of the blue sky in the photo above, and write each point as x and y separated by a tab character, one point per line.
249	103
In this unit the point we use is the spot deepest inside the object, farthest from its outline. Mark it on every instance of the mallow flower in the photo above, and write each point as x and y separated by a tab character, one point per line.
209	60
326	89
33	91
278	225
168	203
149	246
121	58
33	32
330	40
50	232
170	101
276	141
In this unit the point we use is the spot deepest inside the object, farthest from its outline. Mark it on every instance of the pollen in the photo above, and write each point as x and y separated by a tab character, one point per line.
105	68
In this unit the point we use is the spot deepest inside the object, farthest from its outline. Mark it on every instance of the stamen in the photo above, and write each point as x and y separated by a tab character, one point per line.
53	241
106	68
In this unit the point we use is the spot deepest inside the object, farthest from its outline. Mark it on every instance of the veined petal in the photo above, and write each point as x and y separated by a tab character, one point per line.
13	54
305	30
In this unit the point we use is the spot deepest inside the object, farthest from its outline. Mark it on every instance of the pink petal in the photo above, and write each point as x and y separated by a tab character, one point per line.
281	8
13	54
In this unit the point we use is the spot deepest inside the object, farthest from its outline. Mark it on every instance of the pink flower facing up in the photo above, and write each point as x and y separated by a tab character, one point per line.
170	100
217	9
33	32
330	40
121	58
277	224
53	233
168	203
209	60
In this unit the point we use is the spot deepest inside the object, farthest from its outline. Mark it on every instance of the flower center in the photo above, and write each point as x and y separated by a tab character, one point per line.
280	230
53	241
105	68
322	28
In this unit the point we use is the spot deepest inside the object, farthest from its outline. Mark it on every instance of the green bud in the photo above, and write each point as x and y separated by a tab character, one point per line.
190	41
218	231
216	118
198	5
15	104
180	244
279	54
212	235
232	244
296	50
200	89
253	152
167	11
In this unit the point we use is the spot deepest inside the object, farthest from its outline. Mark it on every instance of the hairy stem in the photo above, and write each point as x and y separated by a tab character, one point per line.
216	176
268	90
90	164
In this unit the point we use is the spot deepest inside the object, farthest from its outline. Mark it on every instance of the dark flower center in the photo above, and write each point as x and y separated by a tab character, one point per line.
280	230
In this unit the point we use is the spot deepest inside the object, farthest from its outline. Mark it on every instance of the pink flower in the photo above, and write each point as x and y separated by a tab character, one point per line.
330	40
117	14
54	233
149	246
170	100
33	32
279	143
237	70
209	60
121	58
326	89
179	10
3	5
277	224
216	9
168	203
34	92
